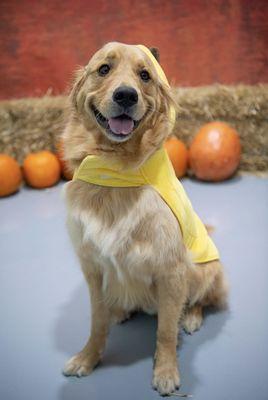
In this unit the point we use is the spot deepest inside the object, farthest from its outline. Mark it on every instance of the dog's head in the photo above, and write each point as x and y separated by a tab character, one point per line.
122	102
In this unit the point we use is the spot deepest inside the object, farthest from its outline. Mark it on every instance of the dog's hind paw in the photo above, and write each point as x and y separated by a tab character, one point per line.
120	316
193	320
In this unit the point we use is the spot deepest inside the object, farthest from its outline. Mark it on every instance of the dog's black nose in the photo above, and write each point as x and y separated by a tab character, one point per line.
125	96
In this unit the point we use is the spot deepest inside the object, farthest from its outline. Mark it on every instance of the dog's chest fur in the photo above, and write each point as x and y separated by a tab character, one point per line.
130	234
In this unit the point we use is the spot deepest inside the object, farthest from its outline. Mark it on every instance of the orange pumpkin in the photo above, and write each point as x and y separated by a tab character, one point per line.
10	175
41	169
178	155
215	152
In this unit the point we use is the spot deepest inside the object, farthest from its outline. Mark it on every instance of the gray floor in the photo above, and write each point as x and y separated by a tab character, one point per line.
45	308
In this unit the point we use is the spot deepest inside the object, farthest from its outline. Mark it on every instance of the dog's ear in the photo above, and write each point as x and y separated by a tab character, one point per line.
78	81
155	53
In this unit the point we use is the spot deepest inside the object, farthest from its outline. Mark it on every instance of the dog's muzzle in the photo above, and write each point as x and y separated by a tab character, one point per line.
121	125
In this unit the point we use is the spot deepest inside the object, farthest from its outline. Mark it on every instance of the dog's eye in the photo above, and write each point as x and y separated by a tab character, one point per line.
104	69
145	76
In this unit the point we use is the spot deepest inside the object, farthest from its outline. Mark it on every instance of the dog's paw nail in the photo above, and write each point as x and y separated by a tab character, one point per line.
166	382
79	365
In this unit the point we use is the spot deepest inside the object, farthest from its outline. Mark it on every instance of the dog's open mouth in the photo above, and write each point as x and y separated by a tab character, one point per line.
120	127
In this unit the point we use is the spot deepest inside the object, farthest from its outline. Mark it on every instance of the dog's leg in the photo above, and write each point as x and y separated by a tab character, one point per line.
83	363
217	293
171	300
208	286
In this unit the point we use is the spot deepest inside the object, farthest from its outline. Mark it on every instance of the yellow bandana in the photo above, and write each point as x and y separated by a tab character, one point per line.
157	172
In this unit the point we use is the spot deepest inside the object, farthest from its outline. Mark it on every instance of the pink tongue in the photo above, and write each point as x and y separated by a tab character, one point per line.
121	126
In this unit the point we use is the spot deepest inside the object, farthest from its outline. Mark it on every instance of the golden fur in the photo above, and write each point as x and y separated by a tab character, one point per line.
128	240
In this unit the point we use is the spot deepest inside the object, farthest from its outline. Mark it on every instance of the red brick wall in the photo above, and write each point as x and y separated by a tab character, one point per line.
200	41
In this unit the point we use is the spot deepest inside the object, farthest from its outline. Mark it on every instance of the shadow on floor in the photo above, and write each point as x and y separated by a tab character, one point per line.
128	343
213	324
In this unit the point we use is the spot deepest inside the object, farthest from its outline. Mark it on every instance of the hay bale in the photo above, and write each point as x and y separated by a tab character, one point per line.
35	124
29	125
243	107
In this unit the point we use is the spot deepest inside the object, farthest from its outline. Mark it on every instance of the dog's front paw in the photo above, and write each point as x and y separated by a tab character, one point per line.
79	365
166	380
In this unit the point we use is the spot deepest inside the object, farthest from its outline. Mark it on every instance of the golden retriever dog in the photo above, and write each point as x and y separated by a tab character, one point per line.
128	240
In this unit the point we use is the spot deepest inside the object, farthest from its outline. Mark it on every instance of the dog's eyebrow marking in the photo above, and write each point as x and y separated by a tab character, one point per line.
111	55
141	64
107	58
